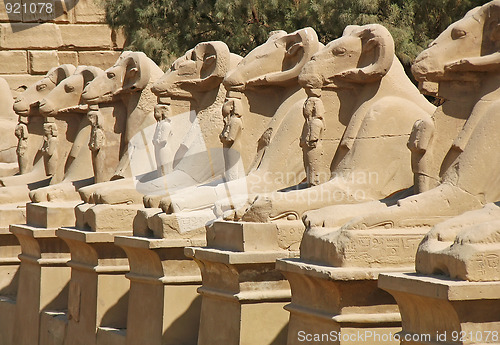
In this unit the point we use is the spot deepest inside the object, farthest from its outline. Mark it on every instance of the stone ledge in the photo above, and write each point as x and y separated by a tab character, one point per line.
295	265
235	258
439	287
156	243
89	236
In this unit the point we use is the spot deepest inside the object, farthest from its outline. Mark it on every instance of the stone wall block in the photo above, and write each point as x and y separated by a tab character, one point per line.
68	57
101	59
41	62
13	62
89	11
93	36
30	36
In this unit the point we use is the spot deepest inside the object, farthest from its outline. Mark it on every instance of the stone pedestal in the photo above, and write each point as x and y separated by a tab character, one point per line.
9	278
164	306
9	263
337	305
7	310
43	280
439	310
335	298
98	290
51	215
241	288
104	217
14	213
43	220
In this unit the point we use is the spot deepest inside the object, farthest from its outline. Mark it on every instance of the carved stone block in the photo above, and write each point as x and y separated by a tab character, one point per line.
40	62
160	271
13	61
439	310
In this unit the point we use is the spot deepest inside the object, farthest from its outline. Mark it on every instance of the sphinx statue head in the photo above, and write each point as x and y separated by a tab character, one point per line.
131	73
468	45
27	101
67	95
200	69
277	62
363	54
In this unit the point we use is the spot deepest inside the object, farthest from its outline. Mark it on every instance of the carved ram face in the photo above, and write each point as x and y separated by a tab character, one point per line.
129	74
465	46
276	62
200	69
30	98
68	93
363	54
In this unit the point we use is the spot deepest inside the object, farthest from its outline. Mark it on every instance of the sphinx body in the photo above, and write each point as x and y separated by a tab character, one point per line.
30	134
127	83
258	135
65	101
185	139
29	129
457	150
8	124
381	105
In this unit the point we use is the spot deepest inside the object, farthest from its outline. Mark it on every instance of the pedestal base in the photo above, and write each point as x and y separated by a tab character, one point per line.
98	290
9	263
51	214
9	281
377	247
12	214
241	287
106	218
438	310
7	309
467	261
111	336
177	225
335	305
245	293
53	328
43	280
159	270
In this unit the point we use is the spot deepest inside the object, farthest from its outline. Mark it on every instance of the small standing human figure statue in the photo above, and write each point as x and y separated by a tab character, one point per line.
49	148
96	143
419	144
21	132
163	131
233	126
313	112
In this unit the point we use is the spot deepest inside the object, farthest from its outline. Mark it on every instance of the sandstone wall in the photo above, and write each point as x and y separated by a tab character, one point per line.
75	33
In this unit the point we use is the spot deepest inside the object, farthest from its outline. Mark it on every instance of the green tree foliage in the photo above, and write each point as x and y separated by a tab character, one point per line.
165	29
